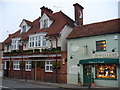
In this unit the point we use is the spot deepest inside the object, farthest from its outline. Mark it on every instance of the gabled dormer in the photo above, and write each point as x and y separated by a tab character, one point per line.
45	21
25	25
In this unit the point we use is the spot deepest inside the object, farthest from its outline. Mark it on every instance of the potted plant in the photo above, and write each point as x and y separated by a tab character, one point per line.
56	66
79	80
92	81
22	64
42	65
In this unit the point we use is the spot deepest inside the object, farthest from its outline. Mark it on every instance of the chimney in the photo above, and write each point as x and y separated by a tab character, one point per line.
78	10
45	10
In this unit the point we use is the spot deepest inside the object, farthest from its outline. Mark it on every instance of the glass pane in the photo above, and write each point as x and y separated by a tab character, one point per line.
106	71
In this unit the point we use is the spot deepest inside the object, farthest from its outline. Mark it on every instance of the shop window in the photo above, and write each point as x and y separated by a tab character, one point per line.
107	71
48	66
16	65
101	45
28	66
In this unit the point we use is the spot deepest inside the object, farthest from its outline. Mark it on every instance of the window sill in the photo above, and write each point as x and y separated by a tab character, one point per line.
48	71
16	69
105	79
28	70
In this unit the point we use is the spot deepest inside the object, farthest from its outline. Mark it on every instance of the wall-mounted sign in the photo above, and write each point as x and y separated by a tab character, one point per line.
106	55
75	48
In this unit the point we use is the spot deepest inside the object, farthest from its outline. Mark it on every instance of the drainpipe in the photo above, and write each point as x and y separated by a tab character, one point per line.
35	69
56	59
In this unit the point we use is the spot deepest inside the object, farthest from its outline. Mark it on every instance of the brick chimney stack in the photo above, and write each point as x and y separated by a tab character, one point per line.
78	10
45	10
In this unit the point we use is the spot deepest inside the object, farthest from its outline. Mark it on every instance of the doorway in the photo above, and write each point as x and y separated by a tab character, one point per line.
86	75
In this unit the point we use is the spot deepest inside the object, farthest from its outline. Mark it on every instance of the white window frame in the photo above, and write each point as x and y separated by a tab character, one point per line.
37	41
24	28
43	22
28	66
5	65
48	64
15	44
16	65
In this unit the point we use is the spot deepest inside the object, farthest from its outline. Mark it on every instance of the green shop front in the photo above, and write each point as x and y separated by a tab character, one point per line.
101	71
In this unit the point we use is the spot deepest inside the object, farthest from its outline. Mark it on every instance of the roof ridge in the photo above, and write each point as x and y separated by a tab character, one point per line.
101	22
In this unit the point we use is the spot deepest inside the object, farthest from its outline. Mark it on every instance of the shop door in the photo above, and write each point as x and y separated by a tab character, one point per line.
86	75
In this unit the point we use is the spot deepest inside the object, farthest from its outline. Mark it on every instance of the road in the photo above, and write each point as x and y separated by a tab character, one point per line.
11	84
20	85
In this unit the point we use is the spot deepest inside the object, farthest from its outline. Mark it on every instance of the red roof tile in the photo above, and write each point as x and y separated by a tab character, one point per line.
59	21
8	40
100	28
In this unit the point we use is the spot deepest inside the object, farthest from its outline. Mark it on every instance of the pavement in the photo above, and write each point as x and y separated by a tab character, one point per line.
57	85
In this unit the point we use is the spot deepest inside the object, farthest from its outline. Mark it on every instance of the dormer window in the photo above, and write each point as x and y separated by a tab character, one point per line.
24	28
44	23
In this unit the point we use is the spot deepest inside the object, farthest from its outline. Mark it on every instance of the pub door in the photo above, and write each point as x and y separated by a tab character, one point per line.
86	75
7	69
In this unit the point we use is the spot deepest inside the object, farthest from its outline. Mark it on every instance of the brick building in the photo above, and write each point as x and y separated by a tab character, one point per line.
38	49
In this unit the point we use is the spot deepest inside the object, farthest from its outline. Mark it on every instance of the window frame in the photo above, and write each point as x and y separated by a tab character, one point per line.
24	28
16	65
5	65
28	63
37	41
98	45
15	44
48	64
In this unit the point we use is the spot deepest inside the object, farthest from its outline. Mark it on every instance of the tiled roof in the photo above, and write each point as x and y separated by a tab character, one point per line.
100	28
29	23
8	40
59	21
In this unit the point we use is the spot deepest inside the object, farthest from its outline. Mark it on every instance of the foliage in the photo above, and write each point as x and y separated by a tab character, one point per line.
22	64
58	65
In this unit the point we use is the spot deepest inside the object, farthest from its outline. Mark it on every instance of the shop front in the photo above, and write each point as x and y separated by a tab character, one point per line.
101	71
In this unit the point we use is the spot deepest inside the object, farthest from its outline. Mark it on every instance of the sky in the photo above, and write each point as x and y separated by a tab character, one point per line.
12	12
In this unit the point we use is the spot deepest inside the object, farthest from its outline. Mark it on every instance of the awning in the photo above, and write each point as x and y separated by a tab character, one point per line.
99	61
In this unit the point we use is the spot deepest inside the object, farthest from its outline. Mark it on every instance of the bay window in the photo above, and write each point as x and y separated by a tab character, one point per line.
37	41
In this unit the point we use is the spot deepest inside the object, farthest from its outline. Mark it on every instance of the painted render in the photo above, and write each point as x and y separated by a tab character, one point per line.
75	49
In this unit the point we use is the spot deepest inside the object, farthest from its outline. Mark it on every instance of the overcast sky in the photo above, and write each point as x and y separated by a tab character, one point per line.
12	12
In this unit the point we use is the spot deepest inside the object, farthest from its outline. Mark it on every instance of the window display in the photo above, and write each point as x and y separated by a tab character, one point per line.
106	71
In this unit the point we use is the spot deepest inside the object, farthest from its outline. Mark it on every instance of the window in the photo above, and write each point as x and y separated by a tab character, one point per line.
28	66
16	65
44	23
37	41
24	28
15	44
106	71
101	45
5	65
48	66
